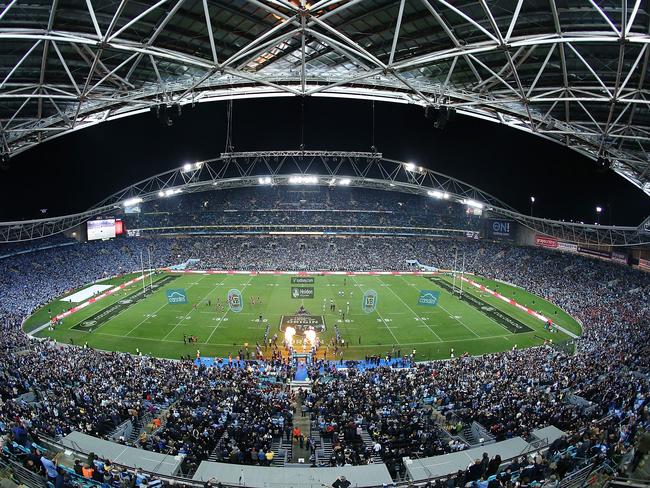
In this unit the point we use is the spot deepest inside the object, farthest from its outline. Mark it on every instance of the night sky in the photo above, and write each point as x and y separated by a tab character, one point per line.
73	172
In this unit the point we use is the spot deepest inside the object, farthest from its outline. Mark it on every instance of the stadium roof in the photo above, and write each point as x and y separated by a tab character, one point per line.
573	71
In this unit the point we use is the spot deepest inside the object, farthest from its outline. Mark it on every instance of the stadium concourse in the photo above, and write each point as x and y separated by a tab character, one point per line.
236	415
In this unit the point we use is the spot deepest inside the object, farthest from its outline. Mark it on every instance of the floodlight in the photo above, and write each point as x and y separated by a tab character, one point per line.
169	192
187	167
442	195
303	180
129	202
345	181
409	167
472	203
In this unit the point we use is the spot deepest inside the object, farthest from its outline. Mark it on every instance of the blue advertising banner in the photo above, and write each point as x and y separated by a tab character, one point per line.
176	296
428	298
500	229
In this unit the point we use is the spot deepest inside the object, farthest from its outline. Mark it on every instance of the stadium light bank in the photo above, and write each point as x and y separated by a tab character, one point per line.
472	203
189	167
340	182
303	180
130	202
412	168
169	192
442	195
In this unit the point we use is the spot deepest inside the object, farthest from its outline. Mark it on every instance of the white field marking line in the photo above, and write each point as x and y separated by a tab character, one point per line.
118	313
412	311
567	332
471	292
145	319
239	313
159	309
460	321
382	318
226	313
453	317
191	310
492	305
363	346
488	295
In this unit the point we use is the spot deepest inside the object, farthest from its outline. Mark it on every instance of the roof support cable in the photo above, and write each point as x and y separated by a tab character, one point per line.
229	142
302	123
373	148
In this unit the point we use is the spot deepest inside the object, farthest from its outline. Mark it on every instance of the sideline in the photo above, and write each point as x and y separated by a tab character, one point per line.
89	302
530	311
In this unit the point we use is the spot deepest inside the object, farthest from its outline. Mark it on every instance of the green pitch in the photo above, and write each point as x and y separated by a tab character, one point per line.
474	322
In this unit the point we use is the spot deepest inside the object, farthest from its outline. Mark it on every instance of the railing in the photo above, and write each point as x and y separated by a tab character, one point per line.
577	479
23	475
122	430
483	437
574	480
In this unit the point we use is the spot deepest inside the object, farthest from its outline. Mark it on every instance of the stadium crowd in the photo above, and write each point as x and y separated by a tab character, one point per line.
287	206
206	411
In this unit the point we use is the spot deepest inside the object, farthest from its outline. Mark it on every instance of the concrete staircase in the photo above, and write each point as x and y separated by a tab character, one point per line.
326	450
143	420
368	443
281	451
323	446
214	455
304	424
138	427
468	435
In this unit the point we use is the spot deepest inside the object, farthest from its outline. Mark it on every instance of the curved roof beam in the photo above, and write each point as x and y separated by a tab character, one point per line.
324	168
575	75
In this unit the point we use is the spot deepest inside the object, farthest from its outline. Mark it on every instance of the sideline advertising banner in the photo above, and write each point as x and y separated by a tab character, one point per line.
545	241
567	246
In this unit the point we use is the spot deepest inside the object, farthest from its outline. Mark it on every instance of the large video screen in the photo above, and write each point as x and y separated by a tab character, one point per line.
101	229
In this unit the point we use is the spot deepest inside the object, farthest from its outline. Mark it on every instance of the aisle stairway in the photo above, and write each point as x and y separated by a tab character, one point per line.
327	450
214	455
468	435
138	427
303	424
368	443
281	451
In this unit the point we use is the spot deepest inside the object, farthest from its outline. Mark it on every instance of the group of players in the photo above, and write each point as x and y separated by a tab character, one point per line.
271	342
231	302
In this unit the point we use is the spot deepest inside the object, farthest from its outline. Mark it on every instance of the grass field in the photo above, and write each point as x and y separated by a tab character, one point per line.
476	323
